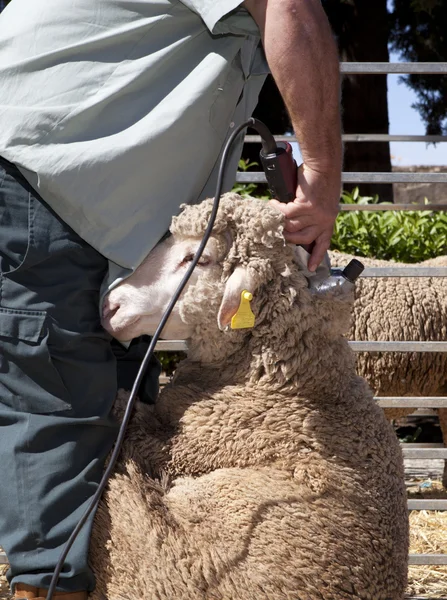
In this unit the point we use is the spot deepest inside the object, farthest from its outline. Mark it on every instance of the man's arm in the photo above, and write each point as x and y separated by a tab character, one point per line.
303	59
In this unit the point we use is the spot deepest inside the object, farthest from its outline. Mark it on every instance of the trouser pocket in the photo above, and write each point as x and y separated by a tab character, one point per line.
54	354
29	381
16	208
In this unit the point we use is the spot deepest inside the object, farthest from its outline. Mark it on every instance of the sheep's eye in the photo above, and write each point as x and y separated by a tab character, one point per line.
190	257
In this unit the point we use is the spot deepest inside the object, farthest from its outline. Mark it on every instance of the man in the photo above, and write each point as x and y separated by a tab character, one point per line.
112	114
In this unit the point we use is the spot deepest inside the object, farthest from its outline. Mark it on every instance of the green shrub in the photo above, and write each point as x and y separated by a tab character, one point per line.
405	236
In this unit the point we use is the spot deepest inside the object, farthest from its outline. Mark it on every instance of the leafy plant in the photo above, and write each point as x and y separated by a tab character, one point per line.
405	236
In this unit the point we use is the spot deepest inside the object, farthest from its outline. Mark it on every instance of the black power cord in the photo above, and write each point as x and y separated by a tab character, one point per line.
269	145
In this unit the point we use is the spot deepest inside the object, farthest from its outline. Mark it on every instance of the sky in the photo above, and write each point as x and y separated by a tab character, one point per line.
406	120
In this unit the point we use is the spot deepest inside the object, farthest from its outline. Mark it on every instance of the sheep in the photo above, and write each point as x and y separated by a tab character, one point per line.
402	309
265	470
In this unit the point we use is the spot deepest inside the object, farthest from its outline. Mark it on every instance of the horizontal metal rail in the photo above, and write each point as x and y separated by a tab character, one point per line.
361	137
385	68
398	346
427	559
412	401
415	453
422	445
426	504
407	271
394	177
360	177
171	346
180	346
387	137
395	207
423	598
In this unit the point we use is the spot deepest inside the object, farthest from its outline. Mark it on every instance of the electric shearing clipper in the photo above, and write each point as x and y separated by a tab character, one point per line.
281	172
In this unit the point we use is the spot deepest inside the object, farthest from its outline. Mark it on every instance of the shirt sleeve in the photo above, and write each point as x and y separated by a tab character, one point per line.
224	16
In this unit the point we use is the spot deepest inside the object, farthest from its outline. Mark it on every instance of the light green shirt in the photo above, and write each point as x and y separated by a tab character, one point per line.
116	110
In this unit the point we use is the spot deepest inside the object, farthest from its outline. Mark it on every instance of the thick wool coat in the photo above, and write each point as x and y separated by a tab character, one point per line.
402	309
265	470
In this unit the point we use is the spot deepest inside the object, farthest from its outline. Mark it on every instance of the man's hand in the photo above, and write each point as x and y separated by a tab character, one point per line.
311	216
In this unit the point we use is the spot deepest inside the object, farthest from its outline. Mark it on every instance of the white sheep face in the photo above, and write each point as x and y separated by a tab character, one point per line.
136	306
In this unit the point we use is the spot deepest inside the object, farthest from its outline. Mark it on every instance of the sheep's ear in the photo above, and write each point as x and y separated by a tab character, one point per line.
239	280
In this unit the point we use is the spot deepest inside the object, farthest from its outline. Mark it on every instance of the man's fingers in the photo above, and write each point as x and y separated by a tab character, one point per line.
307	236
293	225
293	209
304	236
319	250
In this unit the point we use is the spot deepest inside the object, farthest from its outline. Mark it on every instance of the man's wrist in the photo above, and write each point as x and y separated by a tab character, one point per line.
331	170
327	159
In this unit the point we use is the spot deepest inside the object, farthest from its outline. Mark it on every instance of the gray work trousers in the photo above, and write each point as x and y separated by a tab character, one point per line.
58	380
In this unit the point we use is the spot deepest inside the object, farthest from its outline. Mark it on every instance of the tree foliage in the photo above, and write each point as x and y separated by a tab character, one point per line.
419	33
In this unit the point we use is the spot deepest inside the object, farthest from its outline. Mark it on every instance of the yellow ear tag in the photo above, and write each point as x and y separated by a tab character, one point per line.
244	318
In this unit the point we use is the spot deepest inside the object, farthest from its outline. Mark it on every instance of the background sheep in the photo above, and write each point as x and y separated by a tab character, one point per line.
279	477
402	309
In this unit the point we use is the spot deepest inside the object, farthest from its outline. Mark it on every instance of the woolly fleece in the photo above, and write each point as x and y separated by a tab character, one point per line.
265	470
402	309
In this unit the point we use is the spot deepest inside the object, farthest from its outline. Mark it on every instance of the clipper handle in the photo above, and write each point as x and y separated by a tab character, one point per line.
281	172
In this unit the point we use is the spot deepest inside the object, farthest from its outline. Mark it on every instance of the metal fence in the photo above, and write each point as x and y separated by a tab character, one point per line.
414	451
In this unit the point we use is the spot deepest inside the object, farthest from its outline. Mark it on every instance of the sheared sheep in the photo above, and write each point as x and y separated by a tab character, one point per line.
402	309
265	470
